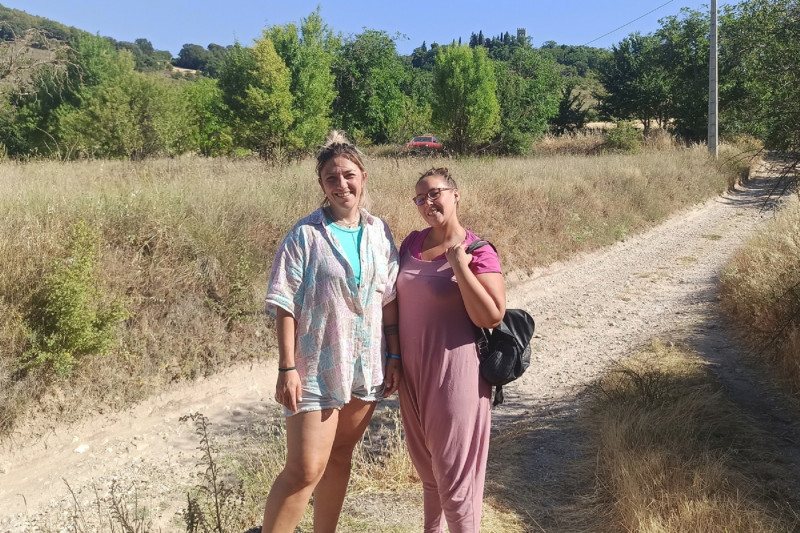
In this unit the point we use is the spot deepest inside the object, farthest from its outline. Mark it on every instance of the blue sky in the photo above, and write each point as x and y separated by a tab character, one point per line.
169	24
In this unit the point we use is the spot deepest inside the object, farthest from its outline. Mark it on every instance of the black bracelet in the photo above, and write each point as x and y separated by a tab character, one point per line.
392	356
286	368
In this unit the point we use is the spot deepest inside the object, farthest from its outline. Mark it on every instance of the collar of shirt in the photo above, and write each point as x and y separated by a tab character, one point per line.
318	217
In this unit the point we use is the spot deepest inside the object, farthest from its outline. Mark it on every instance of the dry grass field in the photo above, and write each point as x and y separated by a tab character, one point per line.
760	291
183	246
673	453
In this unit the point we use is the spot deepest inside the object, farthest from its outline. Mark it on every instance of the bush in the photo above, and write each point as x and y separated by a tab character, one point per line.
624	138
68	317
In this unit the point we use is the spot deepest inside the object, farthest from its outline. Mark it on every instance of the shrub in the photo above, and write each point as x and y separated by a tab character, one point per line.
624	138
68	317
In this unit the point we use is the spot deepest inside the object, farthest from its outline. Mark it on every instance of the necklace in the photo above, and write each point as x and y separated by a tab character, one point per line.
349	225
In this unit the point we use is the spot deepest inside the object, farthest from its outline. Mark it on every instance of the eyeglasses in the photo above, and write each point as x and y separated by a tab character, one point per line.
432	194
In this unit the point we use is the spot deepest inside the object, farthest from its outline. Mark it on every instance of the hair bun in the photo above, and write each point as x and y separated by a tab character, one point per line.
336	137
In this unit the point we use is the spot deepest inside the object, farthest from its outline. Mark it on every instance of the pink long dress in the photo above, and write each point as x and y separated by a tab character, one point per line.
445	405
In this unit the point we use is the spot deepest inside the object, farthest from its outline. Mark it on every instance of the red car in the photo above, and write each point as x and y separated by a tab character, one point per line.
423	143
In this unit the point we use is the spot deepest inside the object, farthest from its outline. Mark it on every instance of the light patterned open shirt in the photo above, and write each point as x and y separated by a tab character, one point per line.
338	321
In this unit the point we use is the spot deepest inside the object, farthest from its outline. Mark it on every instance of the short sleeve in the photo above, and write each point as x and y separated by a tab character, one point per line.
485	261
392	268
285	288
405	246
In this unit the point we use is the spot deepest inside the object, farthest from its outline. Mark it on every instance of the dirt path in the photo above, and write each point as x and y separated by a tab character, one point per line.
590	312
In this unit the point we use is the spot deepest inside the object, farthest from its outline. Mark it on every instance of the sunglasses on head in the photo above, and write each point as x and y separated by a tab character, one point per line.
432	194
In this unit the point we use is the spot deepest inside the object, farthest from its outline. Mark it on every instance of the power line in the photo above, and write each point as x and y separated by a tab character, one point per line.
628	23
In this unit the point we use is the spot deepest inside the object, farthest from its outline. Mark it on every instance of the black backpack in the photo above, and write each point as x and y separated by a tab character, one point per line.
505	351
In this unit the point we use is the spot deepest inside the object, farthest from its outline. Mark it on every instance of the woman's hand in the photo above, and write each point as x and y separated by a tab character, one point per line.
392	377
289	390
457	256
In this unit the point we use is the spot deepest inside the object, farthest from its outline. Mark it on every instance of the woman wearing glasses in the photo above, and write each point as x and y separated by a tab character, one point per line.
446	408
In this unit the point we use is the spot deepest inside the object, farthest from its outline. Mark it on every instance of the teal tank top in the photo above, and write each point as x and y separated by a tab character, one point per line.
350	239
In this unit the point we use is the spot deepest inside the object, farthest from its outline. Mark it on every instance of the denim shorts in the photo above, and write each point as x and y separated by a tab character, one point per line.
316	402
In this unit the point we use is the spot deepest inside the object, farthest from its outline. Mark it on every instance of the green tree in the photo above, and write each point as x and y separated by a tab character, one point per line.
133	116
571	113
211	134
33	71
91	63
464	106
368	75
528	91
255	85
308	53
759	54
635	84
683	55
417	87
192	56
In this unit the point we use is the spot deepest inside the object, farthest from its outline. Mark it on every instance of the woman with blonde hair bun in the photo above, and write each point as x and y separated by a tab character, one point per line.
332	293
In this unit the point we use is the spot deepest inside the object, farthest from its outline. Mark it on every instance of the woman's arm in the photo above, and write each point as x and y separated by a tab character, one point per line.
288	389
484	295
393	372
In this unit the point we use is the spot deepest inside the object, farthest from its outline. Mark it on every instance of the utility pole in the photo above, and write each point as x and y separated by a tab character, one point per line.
713	85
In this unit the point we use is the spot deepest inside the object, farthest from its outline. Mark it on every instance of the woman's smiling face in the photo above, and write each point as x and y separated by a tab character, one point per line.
342	182
439	210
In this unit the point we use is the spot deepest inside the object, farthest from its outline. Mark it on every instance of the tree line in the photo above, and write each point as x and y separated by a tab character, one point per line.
96	97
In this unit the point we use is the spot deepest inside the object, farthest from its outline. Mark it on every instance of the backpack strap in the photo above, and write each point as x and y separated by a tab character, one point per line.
499	397
474	245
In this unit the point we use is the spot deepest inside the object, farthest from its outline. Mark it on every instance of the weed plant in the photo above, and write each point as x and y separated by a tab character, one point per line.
672	453
216	504
188	244
122	509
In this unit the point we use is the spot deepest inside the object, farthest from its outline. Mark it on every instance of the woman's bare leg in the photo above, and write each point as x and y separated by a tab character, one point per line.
310	436
329	494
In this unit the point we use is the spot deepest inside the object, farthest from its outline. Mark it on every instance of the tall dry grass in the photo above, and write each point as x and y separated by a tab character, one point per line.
673	454
760	292
384	494
186	245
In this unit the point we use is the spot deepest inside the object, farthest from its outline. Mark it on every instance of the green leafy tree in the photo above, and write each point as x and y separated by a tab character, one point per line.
635	84
121	113
192	56
91	63
683	55
580	61
528	91
308	53
255	85
571	115
759	54
368	75
423	57
211	133
464	106
33	71
207	60
417	88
